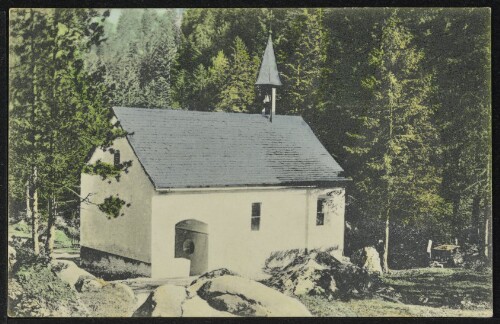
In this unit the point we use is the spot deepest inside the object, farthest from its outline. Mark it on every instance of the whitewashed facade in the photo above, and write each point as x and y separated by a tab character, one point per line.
182	231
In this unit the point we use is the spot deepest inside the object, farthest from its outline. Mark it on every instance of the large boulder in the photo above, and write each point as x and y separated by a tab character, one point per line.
198	307
86	283
114	299
69	272
320	273
245	297
165	301
367	258
192	289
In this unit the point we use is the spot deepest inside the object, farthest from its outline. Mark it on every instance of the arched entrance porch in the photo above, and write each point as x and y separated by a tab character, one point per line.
191	242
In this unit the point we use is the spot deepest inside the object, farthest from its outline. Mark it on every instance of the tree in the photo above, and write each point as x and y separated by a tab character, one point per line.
237	95
67	107
305	69
27	39
139	57
464	79
397	141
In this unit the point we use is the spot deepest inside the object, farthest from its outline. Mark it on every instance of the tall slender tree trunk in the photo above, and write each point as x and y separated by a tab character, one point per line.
475	219
488	253
49	244
35	217
31	202
456	219
32	186
385	261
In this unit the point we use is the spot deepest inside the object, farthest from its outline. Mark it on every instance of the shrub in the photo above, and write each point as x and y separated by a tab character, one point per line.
25	255
36	291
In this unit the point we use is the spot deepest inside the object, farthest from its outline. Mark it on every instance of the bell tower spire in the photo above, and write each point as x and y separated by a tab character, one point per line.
269	77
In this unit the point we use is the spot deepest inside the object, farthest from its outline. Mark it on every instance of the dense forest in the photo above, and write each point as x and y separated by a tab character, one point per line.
400	97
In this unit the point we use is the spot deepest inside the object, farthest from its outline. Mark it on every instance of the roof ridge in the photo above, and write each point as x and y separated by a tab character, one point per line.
200	111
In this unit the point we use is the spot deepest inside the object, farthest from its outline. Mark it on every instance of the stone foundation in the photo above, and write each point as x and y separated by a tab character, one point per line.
113	266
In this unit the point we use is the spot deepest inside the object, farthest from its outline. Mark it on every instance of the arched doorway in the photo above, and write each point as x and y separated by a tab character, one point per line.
191	242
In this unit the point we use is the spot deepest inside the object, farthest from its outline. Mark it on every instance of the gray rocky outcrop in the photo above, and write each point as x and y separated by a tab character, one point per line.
164	301
367	258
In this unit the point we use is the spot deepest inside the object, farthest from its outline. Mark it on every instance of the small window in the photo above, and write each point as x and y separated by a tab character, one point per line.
255	216
320	212
116	156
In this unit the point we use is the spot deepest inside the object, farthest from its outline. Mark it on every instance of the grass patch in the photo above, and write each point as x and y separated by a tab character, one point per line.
379	308
425	292
449	287
20	229
61	242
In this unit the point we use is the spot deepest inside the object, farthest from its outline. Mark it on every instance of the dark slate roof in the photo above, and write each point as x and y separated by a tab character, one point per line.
269	70
181	149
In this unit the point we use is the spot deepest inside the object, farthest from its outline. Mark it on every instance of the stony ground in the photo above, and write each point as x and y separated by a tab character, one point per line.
426	292
379	308
429	292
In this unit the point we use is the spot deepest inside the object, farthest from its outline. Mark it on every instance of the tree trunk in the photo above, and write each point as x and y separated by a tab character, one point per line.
475	220
49	244
456	219
36	216
487	232
32	210
385	261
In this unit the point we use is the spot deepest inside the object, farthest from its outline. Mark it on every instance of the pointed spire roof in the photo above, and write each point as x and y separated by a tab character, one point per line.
268	74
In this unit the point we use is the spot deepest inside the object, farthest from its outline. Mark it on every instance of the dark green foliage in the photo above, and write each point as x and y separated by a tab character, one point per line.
112	206
25	255
107	170
43	294
138	57
59	108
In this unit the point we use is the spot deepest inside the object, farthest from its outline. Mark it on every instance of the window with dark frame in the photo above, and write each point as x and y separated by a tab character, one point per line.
255	216
320	213
116	156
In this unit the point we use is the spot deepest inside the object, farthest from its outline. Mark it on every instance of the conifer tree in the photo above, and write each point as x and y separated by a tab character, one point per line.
237	95
397	141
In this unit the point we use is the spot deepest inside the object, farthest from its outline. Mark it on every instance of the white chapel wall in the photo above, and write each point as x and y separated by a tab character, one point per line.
128	235
231	242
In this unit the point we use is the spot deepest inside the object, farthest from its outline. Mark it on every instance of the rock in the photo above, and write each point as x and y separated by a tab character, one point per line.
11	258
321	273
112	300
235	304
304	276
367	258
192	289
256	298
165	301
86	283
69	272
197	307
121	289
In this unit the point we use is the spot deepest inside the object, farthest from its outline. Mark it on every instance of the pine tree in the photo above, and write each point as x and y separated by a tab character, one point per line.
304	69
27	35
68	107
397	141
239	93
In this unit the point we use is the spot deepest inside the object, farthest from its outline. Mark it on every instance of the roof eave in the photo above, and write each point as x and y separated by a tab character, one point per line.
283	185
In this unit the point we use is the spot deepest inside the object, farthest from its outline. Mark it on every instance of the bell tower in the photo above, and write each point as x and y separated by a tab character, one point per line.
269	78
